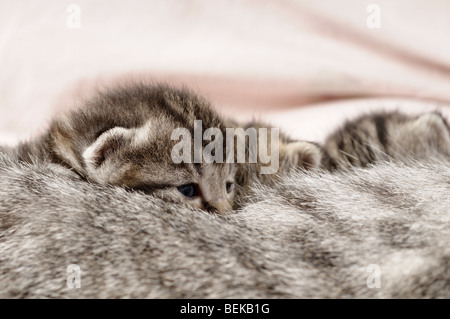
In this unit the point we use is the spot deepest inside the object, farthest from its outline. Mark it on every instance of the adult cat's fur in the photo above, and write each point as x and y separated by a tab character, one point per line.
315	234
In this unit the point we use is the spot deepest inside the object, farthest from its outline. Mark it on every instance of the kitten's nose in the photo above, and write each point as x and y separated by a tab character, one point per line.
223	206
220	207
212	202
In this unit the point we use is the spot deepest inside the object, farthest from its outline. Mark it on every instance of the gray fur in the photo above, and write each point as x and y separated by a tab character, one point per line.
312	235
376	137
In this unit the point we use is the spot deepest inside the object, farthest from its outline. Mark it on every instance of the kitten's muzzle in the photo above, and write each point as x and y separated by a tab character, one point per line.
219	207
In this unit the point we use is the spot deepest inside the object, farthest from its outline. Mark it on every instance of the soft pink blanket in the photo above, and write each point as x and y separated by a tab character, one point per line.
303	65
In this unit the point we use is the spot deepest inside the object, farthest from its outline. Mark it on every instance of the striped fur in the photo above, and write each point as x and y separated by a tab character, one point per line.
386	136
314	234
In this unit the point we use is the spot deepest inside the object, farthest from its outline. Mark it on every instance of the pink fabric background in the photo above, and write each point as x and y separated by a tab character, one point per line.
302	65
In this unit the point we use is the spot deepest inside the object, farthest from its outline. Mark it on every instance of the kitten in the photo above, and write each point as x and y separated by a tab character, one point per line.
386	136
123	137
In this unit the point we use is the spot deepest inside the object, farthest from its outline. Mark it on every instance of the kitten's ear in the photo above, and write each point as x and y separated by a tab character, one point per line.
304	154
106	144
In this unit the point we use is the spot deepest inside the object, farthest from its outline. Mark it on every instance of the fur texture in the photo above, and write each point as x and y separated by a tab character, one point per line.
70	198
376	137
314	234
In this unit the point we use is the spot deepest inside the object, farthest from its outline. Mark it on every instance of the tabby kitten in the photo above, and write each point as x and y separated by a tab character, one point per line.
123	137
386	136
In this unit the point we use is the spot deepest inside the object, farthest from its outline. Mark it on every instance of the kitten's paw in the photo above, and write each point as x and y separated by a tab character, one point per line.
303	154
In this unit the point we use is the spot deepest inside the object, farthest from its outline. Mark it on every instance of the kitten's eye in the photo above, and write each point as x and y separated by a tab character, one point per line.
189	190
229	187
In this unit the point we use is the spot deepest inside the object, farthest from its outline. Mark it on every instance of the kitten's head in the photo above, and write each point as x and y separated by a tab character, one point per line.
124	138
